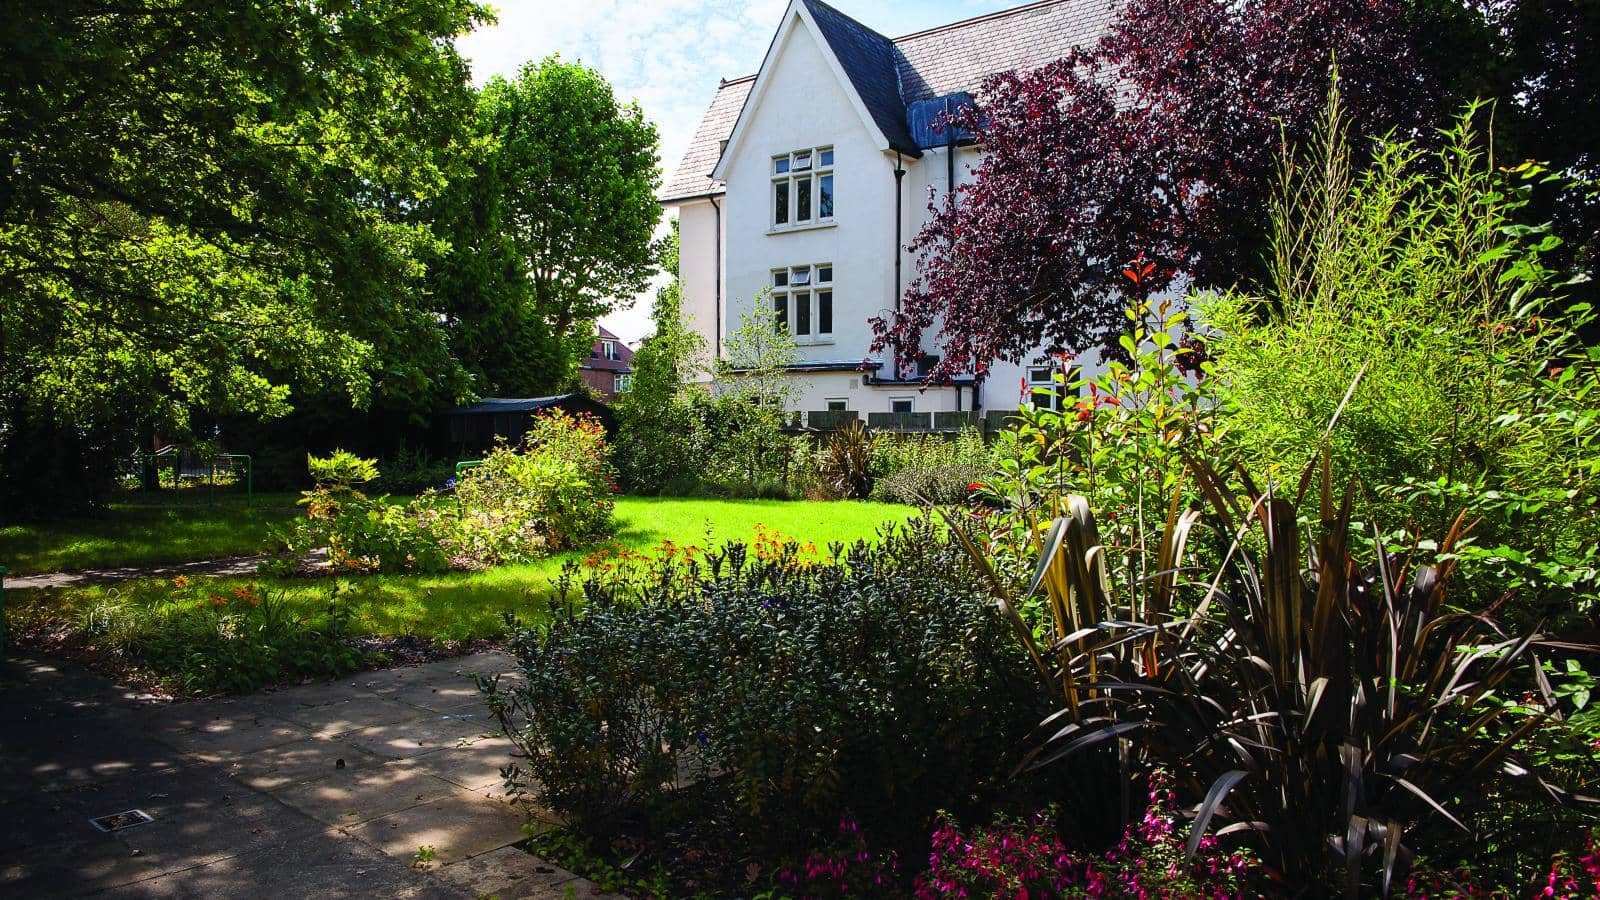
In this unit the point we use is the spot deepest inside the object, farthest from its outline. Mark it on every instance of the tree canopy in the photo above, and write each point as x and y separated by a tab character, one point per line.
204	206
1162	140
553	227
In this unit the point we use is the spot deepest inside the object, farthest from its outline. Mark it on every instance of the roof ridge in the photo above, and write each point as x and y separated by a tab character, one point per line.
852	20
742	78
962	23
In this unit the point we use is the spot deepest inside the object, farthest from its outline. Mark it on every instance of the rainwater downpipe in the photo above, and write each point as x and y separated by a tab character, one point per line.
716	278
899	173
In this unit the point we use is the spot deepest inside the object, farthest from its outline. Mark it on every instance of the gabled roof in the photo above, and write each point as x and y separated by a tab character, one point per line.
869	60
693	176
888	75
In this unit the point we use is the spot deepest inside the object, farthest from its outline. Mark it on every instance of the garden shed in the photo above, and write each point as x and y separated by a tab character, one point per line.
476	427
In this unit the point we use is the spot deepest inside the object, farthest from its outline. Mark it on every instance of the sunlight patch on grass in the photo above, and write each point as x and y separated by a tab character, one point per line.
461	605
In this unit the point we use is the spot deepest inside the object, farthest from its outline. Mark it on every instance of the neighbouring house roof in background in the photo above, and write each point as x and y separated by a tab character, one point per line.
594	361
889	75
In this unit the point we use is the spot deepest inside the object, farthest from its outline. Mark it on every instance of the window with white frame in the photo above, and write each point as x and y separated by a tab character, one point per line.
900	404
622	382
1044	391
802	187
837	404
802	302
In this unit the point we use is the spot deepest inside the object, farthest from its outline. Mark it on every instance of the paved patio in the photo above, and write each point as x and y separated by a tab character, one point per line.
324	790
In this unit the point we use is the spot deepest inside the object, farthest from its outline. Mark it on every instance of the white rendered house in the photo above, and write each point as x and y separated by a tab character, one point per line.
805	181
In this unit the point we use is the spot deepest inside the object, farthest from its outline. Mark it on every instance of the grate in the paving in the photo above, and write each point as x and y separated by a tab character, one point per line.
122	820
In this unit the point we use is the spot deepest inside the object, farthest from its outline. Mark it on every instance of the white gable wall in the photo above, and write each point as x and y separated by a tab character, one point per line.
699	268
801	105
804	106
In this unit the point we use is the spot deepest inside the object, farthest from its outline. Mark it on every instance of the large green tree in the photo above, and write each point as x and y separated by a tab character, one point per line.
202	212
551	230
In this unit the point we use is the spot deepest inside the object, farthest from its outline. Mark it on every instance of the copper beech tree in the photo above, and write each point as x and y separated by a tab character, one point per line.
1163	139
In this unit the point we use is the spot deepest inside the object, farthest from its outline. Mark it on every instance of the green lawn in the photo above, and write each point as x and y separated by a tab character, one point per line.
462	605
147	529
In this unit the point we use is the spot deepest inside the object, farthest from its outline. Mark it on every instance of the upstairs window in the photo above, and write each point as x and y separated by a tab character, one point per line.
802	187
608	349
802	302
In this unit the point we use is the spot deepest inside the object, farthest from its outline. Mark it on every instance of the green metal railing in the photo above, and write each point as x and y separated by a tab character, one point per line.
463	466
175	454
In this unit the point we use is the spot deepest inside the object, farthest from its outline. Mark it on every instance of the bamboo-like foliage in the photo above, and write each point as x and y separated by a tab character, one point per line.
1335	708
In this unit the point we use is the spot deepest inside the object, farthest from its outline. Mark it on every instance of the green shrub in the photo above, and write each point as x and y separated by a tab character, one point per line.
758	692
236	643
552	494
1473	390
360	532
413	471
928	469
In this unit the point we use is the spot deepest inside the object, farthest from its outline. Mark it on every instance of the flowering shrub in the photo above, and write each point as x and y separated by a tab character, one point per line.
360	532
849	868
920	469
203	642
1027	859
552	494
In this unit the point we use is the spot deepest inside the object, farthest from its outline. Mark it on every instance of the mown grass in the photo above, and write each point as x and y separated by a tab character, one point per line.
147	529
464	605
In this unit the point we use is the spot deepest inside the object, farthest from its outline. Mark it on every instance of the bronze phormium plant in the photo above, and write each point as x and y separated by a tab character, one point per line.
846	458
1337	710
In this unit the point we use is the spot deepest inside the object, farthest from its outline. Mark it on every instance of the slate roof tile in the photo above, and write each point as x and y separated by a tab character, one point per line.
889	74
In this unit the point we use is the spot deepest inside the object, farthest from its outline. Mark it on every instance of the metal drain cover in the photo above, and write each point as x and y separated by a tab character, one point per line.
121	820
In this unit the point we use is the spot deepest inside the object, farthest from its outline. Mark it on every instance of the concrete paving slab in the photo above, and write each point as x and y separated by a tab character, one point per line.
352	797
66	869
475	766
345	716
236	730
246	794
437	692
303	761
334	866
509	874
413	737
456	826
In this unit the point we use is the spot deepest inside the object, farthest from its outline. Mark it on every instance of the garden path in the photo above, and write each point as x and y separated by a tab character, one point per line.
322	790
233	565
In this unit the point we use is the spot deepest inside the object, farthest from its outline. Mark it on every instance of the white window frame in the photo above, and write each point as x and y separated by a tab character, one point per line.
910	402
621	382
844	404
805	284
791	170
1060	392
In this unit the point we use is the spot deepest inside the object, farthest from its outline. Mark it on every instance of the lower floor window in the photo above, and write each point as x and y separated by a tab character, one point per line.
900	404
802	302
1043	389
838	404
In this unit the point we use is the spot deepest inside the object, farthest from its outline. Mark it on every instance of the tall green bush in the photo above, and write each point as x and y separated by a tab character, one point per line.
1415	282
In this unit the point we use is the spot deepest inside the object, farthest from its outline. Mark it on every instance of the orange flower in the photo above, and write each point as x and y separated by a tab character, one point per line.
182	581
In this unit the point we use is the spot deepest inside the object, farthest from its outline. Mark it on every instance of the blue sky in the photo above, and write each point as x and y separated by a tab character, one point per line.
669	55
